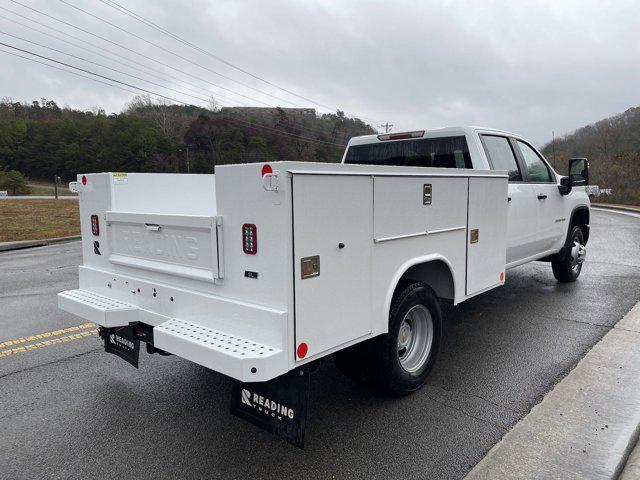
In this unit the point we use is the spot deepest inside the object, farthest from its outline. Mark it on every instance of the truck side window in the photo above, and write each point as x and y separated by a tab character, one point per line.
442	152
501	156
537	170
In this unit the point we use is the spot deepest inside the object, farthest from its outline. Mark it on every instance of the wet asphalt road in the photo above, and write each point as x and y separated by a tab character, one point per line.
69	410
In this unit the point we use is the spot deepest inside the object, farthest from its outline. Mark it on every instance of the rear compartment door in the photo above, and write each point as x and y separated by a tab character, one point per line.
183	246
333	229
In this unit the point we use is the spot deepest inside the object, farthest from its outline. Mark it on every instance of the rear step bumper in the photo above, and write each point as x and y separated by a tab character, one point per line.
102	310
237	357
242	358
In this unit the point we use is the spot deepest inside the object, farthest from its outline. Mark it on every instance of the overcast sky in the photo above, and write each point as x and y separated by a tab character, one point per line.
528	67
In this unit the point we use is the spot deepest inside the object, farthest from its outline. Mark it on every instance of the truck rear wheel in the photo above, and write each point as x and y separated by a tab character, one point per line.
568	269
408	352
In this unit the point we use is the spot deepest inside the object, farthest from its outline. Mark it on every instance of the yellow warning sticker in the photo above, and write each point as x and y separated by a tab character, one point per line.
119	178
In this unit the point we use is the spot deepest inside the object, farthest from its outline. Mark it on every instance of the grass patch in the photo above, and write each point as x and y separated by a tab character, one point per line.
38	219
38	187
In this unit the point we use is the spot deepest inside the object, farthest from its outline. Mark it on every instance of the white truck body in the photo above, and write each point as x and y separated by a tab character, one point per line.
332	244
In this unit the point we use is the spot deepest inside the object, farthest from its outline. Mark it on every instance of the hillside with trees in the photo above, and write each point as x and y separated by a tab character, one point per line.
41	140
612	146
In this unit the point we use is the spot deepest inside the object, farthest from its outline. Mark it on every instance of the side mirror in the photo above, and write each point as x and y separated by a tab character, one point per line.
579	171
565	186
578	175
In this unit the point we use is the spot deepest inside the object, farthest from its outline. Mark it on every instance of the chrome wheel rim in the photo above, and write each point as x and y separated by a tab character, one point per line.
415	338
578	255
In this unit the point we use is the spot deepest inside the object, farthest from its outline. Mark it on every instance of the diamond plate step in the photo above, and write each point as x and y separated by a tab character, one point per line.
102	310
228	354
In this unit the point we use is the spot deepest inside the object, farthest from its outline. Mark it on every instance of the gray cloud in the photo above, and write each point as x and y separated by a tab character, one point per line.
530	67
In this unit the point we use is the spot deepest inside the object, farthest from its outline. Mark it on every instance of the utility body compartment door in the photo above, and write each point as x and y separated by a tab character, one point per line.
486	233
332	231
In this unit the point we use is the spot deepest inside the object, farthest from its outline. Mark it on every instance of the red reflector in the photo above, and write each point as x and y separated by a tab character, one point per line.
266	169
84	180
249	239
95	226
302	350
401	136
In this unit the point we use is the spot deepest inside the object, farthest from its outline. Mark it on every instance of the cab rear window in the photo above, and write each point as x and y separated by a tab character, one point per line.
443	152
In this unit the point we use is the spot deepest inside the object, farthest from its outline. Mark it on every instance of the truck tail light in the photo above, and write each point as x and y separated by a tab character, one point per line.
95	225
401	136
249	239
266	168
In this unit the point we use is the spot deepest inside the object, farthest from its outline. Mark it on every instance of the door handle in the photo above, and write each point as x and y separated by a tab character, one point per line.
508	199
541	196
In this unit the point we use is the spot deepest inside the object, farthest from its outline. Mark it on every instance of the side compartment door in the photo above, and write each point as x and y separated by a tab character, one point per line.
486	240
333	230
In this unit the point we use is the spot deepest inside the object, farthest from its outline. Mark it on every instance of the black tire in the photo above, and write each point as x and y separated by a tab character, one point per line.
391	373
568	269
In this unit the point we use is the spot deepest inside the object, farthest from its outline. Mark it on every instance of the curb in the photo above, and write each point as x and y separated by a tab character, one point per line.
587	425
39	197
8	246
632	469
608	206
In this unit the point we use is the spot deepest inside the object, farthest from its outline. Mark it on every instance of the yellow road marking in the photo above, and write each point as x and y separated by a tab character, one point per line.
40	336
47	343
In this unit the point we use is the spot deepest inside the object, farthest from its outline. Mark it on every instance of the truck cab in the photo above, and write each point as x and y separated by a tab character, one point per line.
541	210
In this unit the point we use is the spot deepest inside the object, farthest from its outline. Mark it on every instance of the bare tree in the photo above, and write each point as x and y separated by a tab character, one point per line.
164	114
214	105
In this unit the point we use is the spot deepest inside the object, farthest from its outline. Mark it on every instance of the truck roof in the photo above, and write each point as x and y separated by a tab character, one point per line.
434	132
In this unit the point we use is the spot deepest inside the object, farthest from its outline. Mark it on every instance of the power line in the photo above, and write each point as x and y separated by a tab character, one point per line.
129	13
93	73
238	121
68	71
127	62
160	47
293	123
317	130
103	66
140	54
149	23
131	50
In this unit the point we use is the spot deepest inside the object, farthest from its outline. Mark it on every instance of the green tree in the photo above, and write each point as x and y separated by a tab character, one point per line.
14	182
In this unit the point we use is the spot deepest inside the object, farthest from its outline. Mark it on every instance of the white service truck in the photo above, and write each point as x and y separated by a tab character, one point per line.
259	270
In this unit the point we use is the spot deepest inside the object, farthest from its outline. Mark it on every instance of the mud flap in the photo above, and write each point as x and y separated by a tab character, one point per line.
123	342
278	406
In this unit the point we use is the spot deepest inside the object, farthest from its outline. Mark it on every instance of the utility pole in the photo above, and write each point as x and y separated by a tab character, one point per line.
553	148
387	127
56	182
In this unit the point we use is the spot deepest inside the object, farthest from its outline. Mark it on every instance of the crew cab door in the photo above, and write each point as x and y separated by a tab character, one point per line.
522	203
550	209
